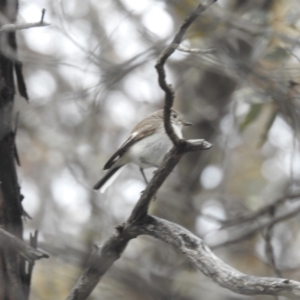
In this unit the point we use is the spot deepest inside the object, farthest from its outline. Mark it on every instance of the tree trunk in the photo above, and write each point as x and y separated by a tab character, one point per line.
14	281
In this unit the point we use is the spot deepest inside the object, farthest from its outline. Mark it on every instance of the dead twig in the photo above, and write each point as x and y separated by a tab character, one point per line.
196	50
21	247
15	27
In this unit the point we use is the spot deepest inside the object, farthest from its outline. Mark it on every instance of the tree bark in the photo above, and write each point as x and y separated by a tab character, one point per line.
13	279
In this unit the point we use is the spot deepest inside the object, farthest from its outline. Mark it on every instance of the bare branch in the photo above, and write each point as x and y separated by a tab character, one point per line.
210	265
269	250
253	231
170	161
195	50
141	208
43	15
103	258
100	261
263	211
193	248
25	250
15	27
167	88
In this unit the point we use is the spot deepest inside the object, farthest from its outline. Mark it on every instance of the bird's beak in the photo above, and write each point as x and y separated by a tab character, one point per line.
187	123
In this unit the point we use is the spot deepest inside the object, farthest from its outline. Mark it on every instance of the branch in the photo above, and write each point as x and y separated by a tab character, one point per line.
15	27
103	257
210	265
167	88
141	208
269	250
170	161
100	261
192	248
15	243
263	211
195	50
253	231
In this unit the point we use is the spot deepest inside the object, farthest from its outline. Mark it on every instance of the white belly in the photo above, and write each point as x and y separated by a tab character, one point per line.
150	151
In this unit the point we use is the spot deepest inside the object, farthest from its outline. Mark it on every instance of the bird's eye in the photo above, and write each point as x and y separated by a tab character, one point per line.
174	116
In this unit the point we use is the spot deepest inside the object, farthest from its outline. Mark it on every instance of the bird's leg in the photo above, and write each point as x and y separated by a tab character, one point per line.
142	171
144	176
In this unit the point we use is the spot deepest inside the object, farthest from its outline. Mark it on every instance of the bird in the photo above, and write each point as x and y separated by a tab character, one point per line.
146	146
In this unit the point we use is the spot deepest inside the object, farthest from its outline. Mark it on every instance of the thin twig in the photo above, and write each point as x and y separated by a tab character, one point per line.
15	243
15	27
167	88
269	249
263	211
253	231
43	15
196	50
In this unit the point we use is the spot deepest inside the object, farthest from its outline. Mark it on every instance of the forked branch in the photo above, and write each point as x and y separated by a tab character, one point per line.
15	27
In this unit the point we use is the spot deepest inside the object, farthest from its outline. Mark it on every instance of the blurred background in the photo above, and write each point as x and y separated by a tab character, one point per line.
91	78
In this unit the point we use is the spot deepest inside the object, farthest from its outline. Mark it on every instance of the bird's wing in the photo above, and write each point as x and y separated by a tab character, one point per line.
141	130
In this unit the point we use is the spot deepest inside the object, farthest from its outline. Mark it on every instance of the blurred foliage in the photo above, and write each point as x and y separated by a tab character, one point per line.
252	114
91	77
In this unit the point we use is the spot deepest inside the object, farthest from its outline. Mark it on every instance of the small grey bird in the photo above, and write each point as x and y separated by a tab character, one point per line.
146	146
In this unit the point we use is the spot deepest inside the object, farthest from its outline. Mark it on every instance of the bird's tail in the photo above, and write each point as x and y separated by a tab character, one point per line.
108	179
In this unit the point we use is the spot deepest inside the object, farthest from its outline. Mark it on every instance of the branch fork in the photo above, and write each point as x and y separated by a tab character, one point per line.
15	27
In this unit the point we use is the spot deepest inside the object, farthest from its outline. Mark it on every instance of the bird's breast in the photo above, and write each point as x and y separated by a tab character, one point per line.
150	151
